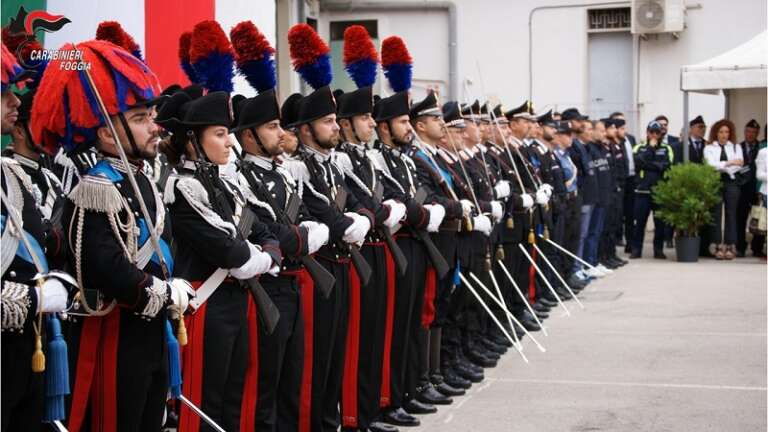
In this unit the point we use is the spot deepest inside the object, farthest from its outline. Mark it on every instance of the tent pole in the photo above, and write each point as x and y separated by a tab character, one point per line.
686	129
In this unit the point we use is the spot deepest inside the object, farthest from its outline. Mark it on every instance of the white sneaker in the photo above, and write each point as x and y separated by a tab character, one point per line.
594	272
604	269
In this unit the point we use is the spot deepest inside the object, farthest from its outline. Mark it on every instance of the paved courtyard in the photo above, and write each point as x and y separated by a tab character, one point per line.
660	346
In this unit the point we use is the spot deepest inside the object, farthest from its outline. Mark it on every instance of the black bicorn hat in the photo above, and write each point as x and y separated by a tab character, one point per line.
696	121
573	114
498	114
256	111
523	111
354	103
426	107
753	124
289	112
316	105
484	115
452	115
471	111
393	106
546	119
172	111
213	109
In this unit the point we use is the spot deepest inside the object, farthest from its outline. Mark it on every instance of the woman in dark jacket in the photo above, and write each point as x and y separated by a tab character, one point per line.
205	210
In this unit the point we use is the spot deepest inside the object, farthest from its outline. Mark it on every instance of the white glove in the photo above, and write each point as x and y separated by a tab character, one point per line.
274	271
181	291
466	207
259	262
54	297
527	200
541	197
502	189
317	235
356	232
436	216
396	212
497	211
547	188
482	224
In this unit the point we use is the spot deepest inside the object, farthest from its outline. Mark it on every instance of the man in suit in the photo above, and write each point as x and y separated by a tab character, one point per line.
697	128
696	142
629	142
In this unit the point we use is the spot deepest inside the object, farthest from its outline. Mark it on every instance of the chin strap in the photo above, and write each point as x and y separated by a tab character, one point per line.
129	134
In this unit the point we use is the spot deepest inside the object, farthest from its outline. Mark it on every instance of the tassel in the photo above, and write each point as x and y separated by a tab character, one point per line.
57	376
181	332
487	266
546	232
531	237
38	358
174	361
467	224
499	253
510	223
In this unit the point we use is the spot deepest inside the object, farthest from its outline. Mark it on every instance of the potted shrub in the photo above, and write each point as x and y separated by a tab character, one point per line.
685	198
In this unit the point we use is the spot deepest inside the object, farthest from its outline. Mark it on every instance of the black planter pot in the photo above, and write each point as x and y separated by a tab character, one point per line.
687	249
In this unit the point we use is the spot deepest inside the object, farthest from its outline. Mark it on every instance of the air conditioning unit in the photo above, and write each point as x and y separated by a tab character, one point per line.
658	16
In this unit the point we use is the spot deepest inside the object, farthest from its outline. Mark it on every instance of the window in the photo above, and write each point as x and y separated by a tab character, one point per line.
614	19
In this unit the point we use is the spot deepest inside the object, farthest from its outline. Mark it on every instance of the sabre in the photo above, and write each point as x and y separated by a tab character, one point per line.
59	426
508	313
503	302
522	296
493	317
558	276
546	282
567	252
200	413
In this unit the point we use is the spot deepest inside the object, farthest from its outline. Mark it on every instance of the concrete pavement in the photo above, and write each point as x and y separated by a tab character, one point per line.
661	346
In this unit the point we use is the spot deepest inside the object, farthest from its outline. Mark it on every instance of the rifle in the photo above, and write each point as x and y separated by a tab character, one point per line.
362	267
268	312
401	262
437	258
324	280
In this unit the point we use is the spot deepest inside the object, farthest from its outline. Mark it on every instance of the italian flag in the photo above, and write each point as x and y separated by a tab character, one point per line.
155	25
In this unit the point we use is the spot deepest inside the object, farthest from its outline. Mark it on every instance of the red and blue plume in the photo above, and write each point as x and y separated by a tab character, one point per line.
122	80
309	55
254	55
22	46
397	63
212	56
360	57
10	68
184	43
112	31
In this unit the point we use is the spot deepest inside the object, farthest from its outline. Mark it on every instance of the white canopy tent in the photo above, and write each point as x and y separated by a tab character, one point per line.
741	73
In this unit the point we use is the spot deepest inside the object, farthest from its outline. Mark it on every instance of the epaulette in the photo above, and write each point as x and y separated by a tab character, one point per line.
300	173
97	191
197	197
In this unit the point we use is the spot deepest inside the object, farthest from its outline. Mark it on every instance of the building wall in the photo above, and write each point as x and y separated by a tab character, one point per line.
494	35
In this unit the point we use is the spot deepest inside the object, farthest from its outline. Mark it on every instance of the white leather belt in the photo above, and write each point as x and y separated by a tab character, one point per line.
204	291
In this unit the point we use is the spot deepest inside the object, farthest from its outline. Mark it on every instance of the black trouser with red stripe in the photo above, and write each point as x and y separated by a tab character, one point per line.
360	409
330	334
409	299
226	344
281	359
